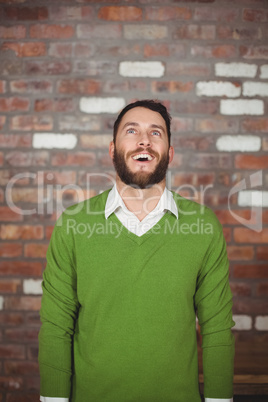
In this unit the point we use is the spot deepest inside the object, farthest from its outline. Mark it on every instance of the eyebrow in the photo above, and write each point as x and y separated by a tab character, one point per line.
133	123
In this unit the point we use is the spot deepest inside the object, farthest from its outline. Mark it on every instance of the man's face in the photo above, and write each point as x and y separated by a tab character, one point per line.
141	152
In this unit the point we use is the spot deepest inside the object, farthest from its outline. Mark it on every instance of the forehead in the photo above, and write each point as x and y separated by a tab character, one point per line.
142	116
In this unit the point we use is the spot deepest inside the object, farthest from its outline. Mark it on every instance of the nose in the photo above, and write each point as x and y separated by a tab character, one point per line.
144	140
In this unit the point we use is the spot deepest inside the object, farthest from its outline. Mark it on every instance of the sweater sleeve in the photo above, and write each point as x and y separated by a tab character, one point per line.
213	301
58	315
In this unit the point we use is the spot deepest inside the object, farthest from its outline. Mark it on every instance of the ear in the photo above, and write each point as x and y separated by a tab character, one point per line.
171	154
111	149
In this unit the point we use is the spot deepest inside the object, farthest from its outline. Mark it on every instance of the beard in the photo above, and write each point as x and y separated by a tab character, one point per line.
141	180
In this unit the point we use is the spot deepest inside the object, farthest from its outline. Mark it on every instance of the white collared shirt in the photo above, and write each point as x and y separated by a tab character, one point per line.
115	204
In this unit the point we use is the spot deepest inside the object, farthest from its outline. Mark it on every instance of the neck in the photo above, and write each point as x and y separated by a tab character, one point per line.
140	202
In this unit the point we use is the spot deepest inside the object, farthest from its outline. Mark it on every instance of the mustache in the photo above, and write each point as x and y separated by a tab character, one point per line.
139	150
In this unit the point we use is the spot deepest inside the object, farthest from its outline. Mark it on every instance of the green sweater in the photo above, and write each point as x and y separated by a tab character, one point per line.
119	311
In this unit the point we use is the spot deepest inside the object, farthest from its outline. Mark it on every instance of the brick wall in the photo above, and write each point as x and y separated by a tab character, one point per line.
67	68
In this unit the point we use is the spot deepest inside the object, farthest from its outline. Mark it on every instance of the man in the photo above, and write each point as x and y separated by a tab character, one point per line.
119	305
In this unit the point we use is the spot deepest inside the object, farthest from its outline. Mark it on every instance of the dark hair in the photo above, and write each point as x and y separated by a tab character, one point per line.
148	104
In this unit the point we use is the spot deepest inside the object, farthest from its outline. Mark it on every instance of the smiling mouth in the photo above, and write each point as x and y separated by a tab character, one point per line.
143	157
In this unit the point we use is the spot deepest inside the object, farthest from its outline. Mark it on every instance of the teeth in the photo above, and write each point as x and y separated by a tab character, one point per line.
143	156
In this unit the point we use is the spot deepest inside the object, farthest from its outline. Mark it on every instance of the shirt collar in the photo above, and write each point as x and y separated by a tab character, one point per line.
166	203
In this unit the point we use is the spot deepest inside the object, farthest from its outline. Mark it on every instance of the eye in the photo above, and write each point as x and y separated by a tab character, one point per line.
131	131
155	133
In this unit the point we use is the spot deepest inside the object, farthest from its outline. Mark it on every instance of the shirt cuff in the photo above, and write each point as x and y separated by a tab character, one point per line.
218	400
50	399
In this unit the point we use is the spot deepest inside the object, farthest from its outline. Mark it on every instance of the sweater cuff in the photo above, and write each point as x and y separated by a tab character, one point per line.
54	383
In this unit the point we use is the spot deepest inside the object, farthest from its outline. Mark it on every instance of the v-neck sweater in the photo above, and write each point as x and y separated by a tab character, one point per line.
119	311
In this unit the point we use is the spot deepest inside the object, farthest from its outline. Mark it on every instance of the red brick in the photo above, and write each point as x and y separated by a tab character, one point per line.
10	250
217	51
25	303
54	105
213	198
74	159
195	143
96	68
192	179
163	49
51	31
262	289
177	161
27	195
217	125
31	123
245	235
21	368
203	32
55	177
8	319
119	51
10	286
25	397
15	140
250	306
251	162
172	86
227	32
13	32
227	232
27	49
5	177
83	50
88	31
226	218
26	13
254	52
49	230
35	250
203	106
2	87
240	252
262	253
17	158
26	232
31	86
210	161
61	50
8	215
124	13
240	289
255	125
181	124
32	383
2	122
16	334
12	66
265	144
255	15
79	86
11	351
216	14
48	67
167	13
14	104
111	86
71	13
32	318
